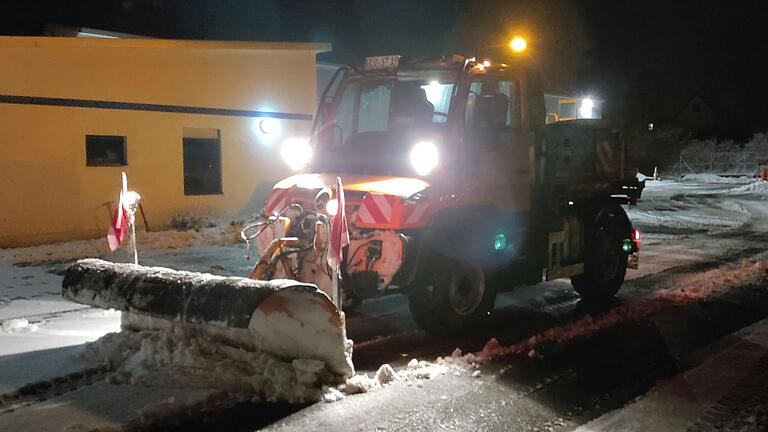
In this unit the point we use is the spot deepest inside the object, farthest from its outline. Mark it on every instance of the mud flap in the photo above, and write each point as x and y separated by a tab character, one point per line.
633	260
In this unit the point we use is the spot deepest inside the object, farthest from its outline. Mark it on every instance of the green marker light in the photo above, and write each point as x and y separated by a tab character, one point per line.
626	246
500	242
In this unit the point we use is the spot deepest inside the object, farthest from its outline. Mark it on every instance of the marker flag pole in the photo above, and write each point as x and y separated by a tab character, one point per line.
339	239
131	208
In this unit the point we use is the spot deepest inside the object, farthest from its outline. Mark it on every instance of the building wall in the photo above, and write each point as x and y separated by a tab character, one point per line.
47	193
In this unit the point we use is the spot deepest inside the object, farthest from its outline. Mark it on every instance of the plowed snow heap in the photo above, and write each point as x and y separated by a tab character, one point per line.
282	317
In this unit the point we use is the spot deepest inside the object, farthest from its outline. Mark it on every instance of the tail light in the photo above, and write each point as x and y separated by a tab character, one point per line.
636	236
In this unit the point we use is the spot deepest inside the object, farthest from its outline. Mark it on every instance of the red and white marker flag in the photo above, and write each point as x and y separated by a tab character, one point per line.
118	226
122	216
339	229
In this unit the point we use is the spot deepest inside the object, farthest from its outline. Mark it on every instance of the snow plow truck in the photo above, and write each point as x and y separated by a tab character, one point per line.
455	189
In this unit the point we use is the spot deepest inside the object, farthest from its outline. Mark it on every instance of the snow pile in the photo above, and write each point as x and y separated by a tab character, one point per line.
17	325
696	287
713	178
759	186
73	250
644	178
458	362
686	289
386	374
414	373
182	357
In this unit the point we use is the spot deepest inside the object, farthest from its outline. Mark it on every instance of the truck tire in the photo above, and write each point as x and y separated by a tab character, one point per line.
452	297
605	264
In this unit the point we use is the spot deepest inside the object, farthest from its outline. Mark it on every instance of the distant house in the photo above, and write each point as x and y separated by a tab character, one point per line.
698	111
195	125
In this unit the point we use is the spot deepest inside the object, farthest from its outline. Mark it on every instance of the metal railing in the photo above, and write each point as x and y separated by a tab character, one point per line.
726	158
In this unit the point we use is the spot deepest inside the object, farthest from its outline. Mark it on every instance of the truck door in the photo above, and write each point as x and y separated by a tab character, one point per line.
499	142
498	166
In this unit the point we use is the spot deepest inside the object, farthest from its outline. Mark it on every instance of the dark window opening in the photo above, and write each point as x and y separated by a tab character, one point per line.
493	111
202	162
105	150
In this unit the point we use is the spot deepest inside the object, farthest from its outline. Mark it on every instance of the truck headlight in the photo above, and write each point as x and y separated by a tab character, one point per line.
424	157
296	153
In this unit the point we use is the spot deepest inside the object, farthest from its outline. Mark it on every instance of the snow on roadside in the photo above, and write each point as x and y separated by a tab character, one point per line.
413	374
185	358
17	325
29	334
719	216
73	250
24	283
181	357
759	186
682	290
713	178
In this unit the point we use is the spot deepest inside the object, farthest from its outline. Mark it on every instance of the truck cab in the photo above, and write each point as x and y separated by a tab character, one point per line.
456	188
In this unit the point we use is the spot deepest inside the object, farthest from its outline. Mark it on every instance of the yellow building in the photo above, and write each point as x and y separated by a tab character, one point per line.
196	125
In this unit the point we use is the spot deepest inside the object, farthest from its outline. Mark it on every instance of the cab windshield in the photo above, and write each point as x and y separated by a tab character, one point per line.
377	120
390	104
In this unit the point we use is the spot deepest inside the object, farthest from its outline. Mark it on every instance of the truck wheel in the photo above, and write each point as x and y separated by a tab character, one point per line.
454	296
605	264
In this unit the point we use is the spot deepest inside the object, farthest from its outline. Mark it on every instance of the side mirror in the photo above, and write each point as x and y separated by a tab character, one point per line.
330	131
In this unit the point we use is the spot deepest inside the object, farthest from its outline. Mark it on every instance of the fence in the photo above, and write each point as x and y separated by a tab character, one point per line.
728	158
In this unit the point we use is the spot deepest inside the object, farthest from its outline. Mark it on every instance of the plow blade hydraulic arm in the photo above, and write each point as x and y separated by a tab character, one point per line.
283	317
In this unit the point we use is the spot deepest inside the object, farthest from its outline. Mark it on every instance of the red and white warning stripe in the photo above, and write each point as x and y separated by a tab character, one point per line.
376	209
276	201
417	214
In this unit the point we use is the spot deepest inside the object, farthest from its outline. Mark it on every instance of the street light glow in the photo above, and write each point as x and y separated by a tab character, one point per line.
518	44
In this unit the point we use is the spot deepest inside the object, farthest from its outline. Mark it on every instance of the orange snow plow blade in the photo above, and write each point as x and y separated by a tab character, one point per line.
288	319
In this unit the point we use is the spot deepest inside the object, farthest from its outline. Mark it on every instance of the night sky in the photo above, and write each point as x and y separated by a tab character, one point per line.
649	60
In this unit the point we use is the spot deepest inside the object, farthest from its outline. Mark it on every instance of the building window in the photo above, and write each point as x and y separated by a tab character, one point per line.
202	162
105	150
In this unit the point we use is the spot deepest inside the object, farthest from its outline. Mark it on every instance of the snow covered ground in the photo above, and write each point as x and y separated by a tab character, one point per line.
30	277
147	241
35	319
673	207
713	178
